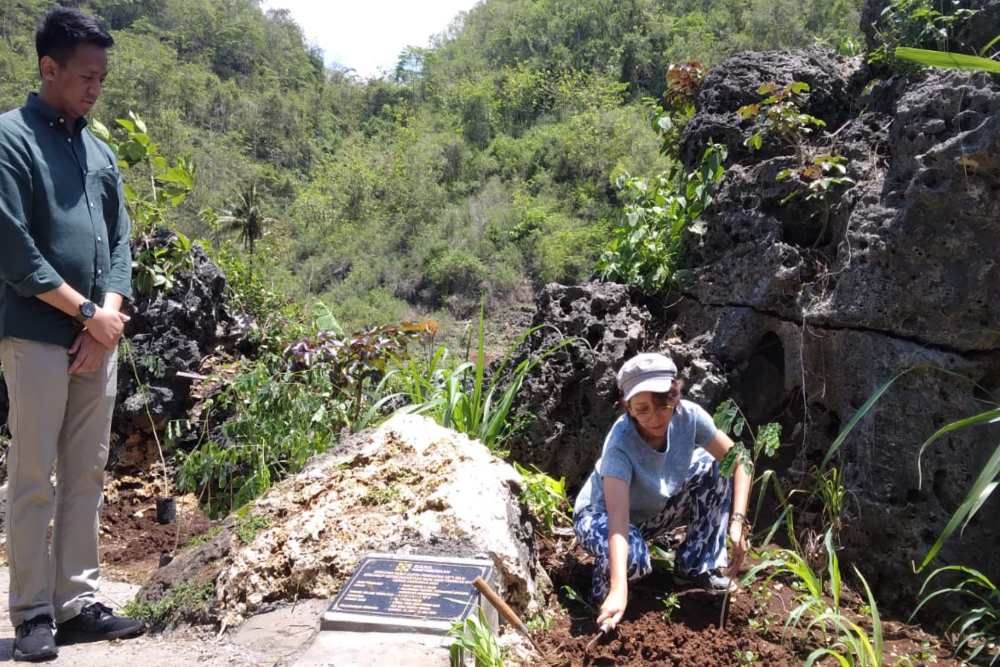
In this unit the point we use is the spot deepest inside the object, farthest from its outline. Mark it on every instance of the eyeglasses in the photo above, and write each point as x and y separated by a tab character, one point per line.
647	413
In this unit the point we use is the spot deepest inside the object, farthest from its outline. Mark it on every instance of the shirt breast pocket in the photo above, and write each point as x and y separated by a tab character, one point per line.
102	187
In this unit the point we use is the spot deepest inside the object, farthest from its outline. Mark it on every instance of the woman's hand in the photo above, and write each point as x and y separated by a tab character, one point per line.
613	607
738	551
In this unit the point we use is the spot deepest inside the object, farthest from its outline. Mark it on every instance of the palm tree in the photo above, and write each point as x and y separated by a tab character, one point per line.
246	216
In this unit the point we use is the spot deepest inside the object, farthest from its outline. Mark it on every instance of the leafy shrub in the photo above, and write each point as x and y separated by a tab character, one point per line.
545	496
915	23
646	250
278	419
169	185
156	263
779	114
730	420
684	82
822	176
282	409
456	270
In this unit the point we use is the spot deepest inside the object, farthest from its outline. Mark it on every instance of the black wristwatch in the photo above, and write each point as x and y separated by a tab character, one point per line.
87	310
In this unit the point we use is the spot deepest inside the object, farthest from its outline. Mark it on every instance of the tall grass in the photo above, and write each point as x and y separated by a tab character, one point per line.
979	626
847	641
461	398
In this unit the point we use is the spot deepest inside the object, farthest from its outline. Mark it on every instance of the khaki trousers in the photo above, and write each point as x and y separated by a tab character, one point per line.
64	420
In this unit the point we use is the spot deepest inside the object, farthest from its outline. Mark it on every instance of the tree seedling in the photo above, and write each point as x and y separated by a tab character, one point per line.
671	603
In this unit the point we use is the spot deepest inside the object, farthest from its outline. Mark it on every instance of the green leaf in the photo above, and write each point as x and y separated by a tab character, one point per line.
134	152
833	568
138	121
100	130
860	413
178	176
987	417
875	618
947	60
769	439
983	485
724	415
984	52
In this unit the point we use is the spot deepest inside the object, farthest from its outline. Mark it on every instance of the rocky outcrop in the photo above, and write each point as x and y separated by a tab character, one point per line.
566	405
409	486
801	309
171	333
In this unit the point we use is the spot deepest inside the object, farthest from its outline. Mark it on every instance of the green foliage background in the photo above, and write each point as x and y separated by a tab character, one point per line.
484	162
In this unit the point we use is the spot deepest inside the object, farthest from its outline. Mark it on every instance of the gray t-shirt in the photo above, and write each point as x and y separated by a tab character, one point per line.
652	476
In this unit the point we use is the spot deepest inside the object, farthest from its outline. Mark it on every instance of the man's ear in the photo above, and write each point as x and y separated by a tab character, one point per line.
48	67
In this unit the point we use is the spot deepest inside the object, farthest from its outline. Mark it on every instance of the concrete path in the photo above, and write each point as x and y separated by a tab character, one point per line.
275	638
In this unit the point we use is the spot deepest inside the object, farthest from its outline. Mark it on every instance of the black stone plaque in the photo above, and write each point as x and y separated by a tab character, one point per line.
419	588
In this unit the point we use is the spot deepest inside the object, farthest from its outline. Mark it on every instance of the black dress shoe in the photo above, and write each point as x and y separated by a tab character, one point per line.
33	640
96	622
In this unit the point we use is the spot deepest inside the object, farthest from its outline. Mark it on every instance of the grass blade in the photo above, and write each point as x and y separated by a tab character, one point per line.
821	652
987	417
860	413
876	619
947	60
973	501
834	567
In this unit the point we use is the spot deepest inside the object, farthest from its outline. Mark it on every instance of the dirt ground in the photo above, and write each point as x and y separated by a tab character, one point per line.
132	541
751	631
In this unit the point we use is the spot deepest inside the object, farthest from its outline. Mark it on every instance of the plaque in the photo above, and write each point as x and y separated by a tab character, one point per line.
390	593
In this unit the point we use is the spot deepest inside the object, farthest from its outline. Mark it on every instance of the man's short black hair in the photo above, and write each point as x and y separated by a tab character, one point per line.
63	29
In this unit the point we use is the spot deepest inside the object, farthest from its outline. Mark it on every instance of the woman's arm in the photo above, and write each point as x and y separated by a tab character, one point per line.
616	500
718	447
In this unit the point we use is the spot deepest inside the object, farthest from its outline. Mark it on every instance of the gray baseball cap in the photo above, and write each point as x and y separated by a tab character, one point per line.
649	371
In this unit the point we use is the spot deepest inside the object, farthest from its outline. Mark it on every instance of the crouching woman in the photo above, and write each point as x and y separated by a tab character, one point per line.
659	469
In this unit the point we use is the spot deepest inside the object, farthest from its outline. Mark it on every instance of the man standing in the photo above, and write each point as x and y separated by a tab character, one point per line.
65	269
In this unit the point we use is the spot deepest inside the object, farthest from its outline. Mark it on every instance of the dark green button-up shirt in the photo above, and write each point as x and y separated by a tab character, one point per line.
62	219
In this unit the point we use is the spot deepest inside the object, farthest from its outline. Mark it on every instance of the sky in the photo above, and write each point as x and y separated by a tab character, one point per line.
367	35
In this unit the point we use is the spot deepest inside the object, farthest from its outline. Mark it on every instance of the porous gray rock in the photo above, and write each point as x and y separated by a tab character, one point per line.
170	334
736	84
567	404
409	486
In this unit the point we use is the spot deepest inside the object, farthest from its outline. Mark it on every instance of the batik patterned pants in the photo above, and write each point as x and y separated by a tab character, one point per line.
703	503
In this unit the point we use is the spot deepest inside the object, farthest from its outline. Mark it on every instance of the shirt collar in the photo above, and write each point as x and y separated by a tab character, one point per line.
42	108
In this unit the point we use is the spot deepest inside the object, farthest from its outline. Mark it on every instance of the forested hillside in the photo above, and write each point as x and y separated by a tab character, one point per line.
486	162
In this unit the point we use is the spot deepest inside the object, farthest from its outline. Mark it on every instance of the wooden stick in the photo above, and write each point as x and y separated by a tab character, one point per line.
504	609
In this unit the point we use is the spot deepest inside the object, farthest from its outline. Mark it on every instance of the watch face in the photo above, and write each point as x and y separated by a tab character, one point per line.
87	309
